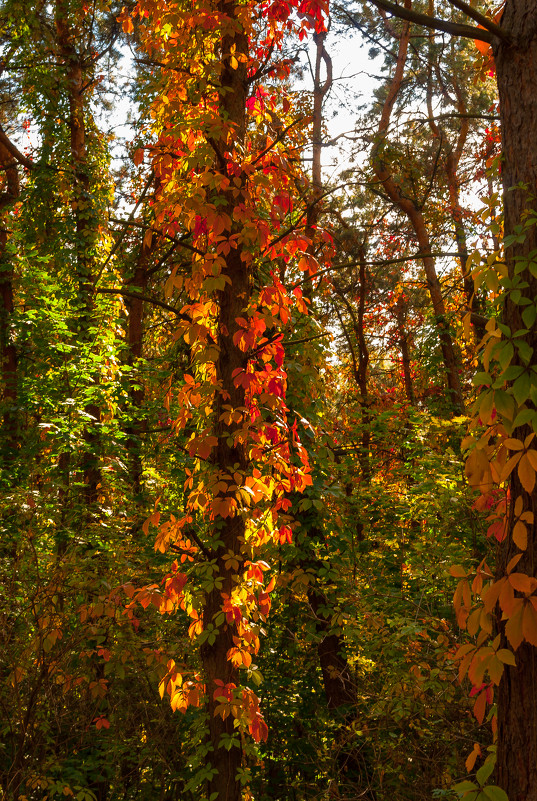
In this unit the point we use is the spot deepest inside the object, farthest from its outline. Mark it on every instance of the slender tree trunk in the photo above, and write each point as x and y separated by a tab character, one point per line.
403	337
516	66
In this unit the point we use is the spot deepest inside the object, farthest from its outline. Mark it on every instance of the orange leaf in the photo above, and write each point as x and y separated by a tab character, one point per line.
513	628
513	563
491	594
470	761
507	598
520	535
532	456
529	623
526	473
480	706
522	582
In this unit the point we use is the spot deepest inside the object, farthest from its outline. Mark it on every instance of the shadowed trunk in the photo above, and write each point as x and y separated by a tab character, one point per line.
516	66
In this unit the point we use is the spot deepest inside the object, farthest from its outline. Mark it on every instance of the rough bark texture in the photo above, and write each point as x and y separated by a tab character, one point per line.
516	66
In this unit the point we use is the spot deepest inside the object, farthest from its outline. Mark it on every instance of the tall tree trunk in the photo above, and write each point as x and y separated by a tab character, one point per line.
516	66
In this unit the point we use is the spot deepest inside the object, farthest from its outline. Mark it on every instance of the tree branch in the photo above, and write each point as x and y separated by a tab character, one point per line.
480	18
15	152
113	290
454	28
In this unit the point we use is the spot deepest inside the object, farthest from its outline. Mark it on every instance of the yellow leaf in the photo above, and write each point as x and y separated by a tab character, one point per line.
495	669
509	467
506	656
513	444
128	27
486	405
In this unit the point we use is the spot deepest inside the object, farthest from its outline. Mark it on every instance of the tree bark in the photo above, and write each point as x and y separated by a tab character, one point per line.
516	66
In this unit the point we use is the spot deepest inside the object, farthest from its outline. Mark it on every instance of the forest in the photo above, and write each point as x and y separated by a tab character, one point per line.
268	391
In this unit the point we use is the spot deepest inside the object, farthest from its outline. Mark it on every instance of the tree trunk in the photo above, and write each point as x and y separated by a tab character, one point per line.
516	66
230	455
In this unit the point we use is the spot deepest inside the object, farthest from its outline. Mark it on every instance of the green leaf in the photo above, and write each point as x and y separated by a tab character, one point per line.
521	388
505	354
523	417
464	787
485	770
494	793
524	350
504	403
512	372
480	379
529	315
